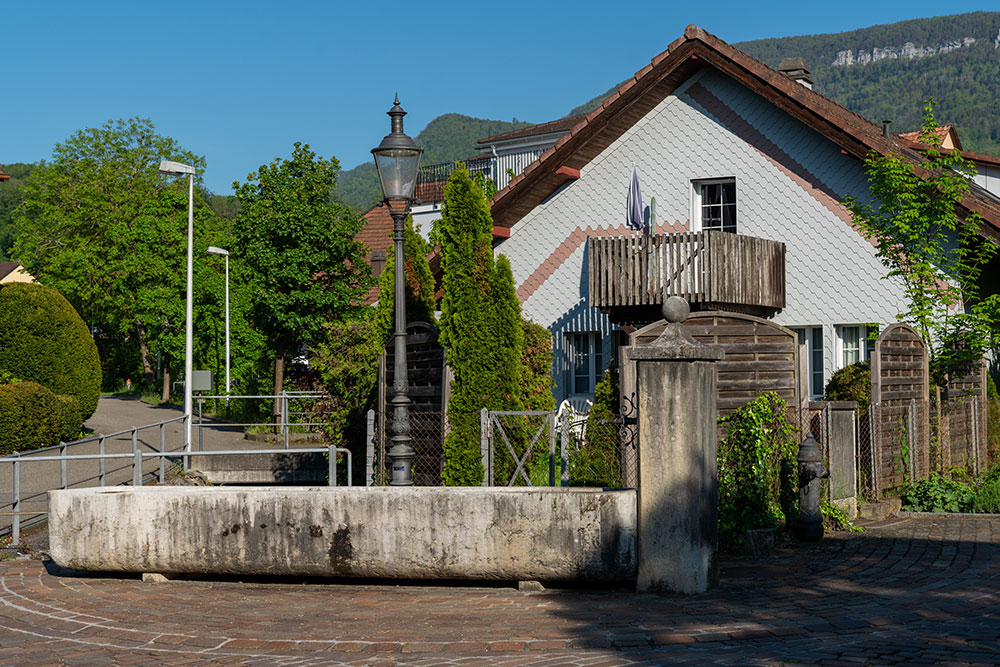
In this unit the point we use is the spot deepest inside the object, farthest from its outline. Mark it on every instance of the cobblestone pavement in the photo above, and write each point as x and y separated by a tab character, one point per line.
910	590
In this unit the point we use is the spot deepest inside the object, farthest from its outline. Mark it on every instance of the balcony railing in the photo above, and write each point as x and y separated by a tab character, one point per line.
499	169
710	269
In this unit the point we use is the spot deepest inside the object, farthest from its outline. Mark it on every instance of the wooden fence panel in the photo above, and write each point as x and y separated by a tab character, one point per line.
761	356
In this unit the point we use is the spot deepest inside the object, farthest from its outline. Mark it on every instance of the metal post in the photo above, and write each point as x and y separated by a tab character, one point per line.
332	472
872	448
563	455
136	468
370	449
401	452
976	434
15	529
201	420
552	448
484	445
189	318
186	460
162	450
100	463
228	385
62	465
135	448
913	438
284	416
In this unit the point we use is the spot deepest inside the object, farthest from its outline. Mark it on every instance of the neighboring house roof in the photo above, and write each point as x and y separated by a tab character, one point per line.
377	235
3	175
12	272
560	125
947	137
686	55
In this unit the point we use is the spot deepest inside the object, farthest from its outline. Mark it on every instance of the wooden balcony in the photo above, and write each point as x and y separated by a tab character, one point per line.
631	275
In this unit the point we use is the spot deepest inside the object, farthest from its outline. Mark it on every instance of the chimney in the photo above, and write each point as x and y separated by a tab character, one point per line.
796	70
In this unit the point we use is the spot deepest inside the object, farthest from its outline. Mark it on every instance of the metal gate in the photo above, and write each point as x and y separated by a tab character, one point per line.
514	445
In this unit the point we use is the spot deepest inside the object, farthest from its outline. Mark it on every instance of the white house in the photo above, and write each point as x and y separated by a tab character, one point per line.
722	142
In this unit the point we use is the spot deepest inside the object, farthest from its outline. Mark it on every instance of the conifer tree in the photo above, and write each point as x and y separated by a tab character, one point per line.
480	325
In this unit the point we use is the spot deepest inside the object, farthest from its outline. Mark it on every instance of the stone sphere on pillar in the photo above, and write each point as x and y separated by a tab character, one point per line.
676	310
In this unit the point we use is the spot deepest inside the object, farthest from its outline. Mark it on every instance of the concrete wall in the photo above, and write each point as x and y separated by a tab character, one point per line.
464	533
280	467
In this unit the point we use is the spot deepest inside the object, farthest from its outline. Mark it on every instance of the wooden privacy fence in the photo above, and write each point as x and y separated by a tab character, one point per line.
761	356
706	267
895	438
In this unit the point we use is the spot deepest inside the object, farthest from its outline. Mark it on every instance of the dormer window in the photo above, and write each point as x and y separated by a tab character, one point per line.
715	204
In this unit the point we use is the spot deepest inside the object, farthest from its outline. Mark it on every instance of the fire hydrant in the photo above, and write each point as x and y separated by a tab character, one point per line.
809	527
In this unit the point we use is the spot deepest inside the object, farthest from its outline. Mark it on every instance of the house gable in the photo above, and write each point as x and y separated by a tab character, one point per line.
695	51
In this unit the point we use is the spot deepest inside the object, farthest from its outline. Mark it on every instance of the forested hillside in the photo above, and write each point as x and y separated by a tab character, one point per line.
446	138
887	71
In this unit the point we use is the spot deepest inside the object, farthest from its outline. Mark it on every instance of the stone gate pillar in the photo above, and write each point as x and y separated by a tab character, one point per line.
678	482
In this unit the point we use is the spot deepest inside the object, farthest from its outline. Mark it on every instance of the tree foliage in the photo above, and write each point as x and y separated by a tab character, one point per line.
913	220
480	325
757	467
43	340
102	226
304	266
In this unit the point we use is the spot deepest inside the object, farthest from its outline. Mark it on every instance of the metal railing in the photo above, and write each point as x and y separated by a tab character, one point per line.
136	458
285	412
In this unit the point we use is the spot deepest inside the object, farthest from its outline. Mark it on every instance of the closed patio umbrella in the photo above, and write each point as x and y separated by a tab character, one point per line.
633	204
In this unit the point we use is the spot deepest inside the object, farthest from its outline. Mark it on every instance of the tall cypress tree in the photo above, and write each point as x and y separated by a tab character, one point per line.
480	325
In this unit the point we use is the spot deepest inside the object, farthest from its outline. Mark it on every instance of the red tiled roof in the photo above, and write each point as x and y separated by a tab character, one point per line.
377	235
3	175
558	125
685	56
941	132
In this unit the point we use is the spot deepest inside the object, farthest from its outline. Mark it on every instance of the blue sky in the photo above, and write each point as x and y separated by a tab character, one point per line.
239	82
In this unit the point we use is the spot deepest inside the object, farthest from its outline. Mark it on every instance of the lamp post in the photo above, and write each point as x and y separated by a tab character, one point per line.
212	250
178	169
397	159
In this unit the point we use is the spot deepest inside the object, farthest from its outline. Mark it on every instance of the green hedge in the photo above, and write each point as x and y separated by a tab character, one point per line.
43	340
29	417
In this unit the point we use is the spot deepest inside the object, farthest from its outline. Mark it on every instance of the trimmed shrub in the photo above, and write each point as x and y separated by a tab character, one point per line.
536	367
29	417
757	467
851	383
70	417
43	340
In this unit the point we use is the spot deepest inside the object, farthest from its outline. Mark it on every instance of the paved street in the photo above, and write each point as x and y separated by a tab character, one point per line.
910	590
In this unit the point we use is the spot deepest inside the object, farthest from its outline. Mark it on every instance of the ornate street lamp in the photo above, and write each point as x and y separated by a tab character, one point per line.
397	159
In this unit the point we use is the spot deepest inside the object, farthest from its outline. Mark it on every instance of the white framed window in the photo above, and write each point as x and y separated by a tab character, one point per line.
853	344
812	338
714	204
585	362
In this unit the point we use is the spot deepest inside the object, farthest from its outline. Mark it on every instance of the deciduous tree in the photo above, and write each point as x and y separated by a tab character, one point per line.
298	245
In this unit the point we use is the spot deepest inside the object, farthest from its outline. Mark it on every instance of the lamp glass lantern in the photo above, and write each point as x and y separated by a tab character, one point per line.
397	159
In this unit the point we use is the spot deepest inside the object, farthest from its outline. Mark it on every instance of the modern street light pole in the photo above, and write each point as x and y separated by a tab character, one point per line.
212	250
397	160
178	169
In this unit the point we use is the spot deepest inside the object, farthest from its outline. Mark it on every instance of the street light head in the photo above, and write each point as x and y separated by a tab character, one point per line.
168	167
212	250
397	159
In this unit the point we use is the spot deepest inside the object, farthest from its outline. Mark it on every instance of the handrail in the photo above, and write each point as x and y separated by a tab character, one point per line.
137	457
93	438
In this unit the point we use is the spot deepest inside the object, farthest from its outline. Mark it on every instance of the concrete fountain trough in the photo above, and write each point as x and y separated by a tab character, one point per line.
418	532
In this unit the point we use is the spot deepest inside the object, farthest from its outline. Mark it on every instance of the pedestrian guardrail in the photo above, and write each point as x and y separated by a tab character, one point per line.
135	458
